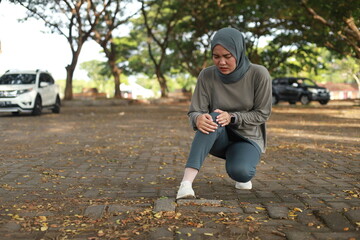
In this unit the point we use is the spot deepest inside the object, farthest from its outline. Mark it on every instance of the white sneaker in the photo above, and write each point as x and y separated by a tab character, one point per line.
245	185
185	190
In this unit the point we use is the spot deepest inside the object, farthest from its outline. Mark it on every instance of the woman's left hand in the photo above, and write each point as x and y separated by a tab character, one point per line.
224	118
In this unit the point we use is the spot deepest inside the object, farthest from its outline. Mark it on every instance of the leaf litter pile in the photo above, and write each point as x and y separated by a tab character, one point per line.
135	223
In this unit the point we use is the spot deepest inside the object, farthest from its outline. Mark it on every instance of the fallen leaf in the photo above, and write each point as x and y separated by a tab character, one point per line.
100	233
249	219
42	218
298	210
260	208
17	217
158	215
279	233
44	228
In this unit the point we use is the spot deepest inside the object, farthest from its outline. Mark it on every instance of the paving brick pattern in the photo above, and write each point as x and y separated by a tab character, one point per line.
111	171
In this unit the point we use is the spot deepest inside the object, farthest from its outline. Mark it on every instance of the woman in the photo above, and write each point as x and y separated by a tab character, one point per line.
229	108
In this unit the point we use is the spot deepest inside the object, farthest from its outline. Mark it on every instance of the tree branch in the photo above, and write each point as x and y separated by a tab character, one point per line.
351	34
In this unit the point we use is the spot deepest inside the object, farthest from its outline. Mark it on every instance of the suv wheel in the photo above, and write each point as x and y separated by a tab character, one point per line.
37	107
305	100
323	102
275	100
56	108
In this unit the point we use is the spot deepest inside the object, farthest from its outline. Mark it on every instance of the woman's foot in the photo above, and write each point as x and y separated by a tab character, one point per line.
185	190
245	185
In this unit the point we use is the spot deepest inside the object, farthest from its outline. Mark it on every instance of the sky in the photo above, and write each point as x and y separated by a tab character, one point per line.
25	46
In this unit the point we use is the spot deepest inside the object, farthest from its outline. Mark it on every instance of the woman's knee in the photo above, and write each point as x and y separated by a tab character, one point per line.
214	115
241	161
241	173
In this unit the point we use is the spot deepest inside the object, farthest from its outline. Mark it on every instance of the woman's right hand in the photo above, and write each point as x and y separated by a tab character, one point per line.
205	123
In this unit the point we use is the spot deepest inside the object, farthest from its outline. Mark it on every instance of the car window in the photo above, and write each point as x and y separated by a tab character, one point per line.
42	78
51	80
283	81
292	81
308	82
17	79
46	78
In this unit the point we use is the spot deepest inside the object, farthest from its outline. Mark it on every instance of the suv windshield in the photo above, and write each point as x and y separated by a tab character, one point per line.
306	82
15	79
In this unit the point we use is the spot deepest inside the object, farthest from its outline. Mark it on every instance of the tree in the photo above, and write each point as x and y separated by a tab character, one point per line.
160	18
191	38
339	22
71	19
103	34
351	67
98	72
257	19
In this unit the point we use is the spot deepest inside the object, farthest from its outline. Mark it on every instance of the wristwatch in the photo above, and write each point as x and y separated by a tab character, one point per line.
232	118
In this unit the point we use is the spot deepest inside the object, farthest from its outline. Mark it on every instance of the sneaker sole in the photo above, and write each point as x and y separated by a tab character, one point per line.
189	196
243	188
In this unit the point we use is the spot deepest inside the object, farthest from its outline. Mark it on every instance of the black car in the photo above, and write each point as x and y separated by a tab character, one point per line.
304	90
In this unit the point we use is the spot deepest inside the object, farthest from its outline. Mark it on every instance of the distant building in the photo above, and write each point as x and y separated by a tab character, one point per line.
342	91
135	91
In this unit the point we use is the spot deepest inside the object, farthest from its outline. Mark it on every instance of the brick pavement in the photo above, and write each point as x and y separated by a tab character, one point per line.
111	172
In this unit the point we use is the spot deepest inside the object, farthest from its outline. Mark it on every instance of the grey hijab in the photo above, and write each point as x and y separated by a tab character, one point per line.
234	42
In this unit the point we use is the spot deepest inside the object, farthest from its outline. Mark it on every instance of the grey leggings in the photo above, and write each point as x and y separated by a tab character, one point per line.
241	155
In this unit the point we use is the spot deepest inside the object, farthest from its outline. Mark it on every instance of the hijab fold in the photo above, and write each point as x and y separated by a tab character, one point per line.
233	41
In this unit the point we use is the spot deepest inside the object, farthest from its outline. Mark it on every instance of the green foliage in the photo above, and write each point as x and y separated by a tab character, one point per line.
125	48
293	47
100	78
344	70
181	80
78	85
329	23
320	65
147	82
139	60
170	41
98	72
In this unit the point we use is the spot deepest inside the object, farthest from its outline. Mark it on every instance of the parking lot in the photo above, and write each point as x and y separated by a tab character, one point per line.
111	171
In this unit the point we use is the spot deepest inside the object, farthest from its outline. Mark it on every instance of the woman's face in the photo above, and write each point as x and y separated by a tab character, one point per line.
223	60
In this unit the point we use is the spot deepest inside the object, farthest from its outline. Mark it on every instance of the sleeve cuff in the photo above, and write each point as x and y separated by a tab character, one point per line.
234	118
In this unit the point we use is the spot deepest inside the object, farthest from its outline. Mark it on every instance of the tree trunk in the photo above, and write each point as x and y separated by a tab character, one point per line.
70	72
117	92
116	74
164	92
162	82
68	94
358	83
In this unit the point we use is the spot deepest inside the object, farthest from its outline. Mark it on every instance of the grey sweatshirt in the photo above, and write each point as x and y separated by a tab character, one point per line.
249	99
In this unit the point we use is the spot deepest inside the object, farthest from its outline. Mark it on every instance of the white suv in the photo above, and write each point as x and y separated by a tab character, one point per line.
28	91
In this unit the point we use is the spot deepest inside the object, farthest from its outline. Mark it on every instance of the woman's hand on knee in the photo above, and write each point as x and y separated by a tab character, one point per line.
223	118
205	123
